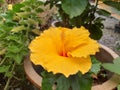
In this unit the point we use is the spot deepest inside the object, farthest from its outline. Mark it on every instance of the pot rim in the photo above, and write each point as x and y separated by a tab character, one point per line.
36	79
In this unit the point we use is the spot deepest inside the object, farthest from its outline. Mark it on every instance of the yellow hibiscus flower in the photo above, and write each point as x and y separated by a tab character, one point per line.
64	50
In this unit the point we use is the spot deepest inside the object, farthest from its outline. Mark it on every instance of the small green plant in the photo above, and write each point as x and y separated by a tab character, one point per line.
17	28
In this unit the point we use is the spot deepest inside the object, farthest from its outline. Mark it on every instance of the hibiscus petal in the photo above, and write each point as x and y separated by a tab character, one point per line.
90	48
64	65
63	50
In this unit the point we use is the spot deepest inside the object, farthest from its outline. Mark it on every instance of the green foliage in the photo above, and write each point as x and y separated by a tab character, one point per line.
80	13
96	65
118	87
4	69
83	13
74	8
47	81
103	12
113	67
73	82
1	1
16	31
115	4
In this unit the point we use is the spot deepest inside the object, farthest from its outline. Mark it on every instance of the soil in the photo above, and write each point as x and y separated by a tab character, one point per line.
102	76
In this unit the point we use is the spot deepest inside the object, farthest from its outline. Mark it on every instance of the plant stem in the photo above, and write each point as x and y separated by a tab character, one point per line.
9	79
17	78
2	61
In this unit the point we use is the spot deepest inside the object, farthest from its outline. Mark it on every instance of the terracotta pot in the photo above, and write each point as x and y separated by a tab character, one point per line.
105	55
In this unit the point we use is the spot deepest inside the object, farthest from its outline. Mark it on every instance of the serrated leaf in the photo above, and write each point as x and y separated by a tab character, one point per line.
31	21
95	65
74	7
13	49
36	31
18	58
18	28
113	67
23	14
4	68
8	74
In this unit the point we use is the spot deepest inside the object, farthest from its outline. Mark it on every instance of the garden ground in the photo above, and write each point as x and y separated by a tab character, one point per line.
111	38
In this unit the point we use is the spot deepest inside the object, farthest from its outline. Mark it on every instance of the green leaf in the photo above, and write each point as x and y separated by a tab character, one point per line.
95	65
46	84
17	7
74	7
14	37
83	82
9	15
118	87
4	68
39	10
113	67
63	83
26	8
13	49
74	82
114	4
103	12
18	28
8	74
2	1
23	14
31	21
17	54
48	80
18	58
95	31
